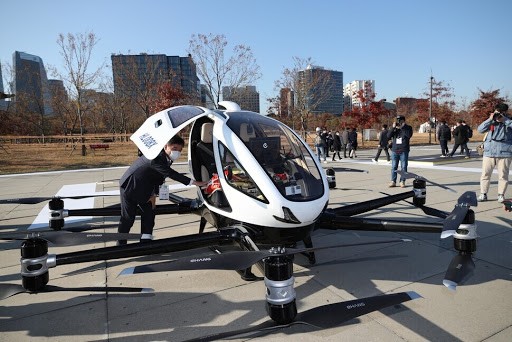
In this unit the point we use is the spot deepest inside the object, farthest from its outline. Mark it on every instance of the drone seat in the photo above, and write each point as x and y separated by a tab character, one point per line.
204	151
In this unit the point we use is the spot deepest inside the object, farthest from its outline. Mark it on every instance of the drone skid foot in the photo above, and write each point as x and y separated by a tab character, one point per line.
419	187
281	294
282	314
34	269
56	206
465	246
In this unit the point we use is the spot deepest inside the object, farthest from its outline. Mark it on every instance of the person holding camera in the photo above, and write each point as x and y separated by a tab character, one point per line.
401	135
497	150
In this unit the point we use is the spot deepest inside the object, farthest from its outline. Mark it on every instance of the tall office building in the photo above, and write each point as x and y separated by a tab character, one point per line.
3	105
206	97
134	74
57	90
247	97
351	90
1	79
286	102
323	89
31	83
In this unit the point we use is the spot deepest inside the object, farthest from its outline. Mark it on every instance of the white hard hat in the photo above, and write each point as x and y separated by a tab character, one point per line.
318	129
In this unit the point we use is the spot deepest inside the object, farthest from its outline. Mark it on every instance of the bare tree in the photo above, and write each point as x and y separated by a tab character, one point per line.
76	51
443	103
217	69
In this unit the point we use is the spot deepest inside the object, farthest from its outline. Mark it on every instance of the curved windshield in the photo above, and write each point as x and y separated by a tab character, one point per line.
281	154
236	176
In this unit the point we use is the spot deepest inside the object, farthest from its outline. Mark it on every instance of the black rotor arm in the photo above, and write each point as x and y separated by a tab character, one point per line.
331	221
161	246
180	208
363	207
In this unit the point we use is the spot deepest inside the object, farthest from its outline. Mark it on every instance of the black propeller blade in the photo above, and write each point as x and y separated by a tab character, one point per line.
325	316
65	238
453	221
9	290
408	175
235	260
347	169
461	267
35	200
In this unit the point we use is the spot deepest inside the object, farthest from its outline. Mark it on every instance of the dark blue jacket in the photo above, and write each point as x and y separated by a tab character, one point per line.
144	176
401	138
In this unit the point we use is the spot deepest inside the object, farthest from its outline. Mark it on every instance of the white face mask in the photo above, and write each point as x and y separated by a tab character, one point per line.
174	155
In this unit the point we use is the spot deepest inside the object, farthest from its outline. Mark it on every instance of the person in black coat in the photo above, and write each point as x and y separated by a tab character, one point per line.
336	145
352	143
401	134
460	135
139	186
383	143
444	135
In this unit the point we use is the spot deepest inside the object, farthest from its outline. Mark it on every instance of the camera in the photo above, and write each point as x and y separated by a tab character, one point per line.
496	116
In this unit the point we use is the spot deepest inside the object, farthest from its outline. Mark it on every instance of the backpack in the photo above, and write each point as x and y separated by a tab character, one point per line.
470	132
318	140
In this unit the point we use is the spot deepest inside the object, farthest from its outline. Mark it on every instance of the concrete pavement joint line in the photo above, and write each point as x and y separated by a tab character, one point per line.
107	312
10	320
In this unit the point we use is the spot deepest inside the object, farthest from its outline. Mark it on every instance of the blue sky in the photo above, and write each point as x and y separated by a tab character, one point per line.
466	43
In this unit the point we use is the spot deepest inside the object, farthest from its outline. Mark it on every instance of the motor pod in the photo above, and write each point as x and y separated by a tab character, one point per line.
419	186
331	177
56	206
279	280
464	239
34	268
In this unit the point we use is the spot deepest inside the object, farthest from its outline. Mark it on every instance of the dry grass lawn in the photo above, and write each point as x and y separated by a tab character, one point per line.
23	158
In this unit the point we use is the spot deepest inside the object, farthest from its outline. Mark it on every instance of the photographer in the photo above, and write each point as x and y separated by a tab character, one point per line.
401	134
497	150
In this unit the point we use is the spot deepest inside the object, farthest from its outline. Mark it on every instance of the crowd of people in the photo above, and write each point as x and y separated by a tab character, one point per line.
461	134
335	142
395	142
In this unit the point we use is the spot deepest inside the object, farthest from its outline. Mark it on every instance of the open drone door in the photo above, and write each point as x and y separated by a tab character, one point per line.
156	131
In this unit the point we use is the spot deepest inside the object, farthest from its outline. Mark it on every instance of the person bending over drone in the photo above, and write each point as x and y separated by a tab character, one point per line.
401	135
139	186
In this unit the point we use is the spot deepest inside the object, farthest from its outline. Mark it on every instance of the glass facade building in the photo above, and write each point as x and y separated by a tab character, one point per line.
31	83
138	73
246	97
323	88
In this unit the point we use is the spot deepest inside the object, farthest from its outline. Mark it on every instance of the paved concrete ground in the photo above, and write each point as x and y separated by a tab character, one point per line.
191	304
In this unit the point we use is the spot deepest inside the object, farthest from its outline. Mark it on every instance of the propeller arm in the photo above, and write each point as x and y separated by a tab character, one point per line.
333	222
174	244
363	207
184	207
